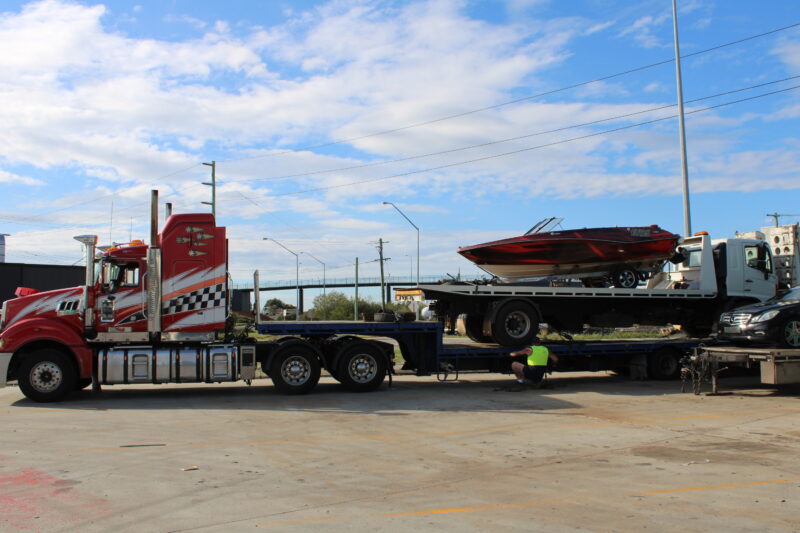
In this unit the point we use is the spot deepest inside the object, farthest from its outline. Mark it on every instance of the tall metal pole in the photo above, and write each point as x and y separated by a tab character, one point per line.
383	292
213	184
297	272
355	300
415	227
687	219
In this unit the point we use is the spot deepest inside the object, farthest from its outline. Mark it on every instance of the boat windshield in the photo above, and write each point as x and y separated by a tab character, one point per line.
545	225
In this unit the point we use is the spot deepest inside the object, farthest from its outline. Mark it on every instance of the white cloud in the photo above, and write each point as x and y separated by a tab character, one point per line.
8	177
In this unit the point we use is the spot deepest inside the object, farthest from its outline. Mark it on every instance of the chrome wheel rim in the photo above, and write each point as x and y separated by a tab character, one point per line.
362	368
518	324
46	377
628	279
296	370
791	332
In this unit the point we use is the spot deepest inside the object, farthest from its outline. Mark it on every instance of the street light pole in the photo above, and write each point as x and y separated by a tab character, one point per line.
687	218
323	271
296	273
415	227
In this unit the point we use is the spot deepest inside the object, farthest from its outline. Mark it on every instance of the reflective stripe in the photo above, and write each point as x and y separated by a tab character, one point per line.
538	356
5	360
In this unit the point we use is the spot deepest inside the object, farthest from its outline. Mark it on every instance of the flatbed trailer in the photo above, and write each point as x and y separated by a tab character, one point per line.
777	366
425	352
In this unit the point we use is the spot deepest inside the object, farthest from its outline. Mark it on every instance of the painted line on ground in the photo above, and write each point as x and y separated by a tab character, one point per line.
507	506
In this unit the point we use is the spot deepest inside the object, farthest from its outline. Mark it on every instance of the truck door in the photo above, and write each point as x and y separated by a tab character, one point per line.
120	300
759	279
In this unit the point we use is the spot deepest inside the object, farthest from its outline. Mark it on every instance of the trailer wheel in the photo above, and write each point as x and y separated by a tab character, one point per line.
295	367
790	333
473	325
515	324
46	375
625	278
663	364
362	367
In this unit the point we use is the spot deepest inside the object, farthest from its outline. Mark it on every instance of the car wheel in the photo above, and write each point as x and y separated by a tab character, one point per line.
790	333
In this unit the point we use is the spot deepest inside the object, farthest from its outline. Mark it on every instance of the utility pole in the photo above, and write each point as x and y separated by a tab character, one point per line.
380	258
687	219
355	300
213	185
778	215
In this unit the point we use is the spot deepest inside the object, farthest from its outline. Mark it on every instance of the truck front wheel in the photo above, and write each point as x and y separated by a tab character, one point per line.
295	367
362	367
515	324
46	375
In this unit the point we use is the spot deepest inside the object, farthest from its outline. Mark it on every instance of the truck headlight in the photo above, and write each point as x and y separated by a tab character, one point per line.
763	317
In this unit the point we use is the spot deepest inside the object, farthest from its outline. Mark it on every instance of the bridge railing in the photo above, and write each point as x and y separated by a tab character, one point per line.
317	282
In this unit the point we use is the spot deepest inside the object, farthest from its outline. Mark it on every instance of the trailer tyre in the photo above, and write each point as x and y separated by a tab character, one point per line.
46	375
664	364
362	367
473	325
295	367
515	324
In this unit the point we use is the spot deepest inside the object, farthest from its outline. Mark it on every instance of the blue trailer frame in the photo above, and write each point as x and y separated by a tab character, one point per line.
424	350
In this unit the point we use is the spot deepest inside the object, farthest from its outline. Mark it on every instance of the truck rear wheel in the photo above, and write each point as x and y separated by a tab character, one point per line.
473	326
663	364
46	375
295	367
362	367
515	324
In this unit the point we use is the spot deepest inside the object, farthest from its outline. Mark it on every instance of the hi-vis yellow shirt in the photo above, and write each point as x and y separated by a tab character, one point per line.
538	356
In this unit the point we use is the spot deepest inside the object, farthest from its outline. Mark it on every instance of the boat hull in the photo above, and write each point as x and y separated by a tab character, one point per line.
592	252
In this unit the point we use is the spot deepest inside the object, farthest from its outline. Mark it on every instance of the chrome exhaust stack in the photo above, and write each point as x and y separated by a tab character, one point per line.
89	245
154	272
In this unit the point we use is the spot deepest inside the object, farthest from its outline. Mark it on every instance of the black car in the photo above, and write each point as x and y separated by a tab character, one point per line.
775	321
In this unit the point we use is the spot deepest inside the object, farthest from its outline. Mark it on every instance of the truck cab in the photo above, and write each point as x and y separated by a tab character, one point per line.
174	290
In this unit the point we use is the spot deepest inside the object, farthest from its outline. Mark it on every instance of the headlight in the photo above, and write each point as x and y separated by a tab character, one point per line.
763	317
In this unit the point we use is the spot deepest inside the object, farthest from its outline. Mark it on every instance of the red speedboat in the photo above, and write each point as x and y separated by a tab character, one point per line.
625	255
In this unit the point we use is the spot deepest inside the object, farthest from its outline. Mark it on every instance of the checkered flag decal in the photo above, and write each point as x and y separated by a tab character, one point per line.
206	298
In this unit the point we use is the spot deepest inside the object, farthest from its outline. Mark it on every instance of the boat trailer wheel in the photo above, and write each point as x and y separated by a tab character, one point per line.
626	278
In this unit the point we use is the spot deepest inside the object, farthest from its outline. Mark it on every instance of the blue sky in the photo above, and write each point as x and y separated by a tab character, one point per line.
104	101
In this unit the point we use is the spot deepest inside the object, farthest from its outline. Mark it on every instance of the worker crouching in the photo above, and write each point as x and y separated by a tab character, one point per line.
535	365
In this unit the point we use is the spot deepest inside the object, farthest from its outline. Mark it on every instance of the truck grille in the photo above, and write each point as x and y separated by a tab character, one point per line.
734	319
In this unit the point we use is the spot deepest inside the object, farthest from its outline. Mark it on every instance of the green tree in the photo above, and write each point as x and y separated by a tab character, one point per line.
336	305
273	305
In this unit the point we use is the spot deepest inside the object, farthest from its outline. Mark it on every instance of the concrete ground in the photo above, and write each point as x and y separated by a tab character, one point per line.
594	452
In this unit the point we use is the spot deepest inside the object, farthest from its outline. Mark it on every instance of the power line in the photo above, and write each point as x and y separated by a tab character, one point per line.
517	100
520	137
563	141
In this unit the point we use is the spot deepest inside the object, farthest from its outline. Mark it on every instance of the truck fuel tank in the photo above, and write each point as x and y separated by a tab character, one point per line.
178	364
